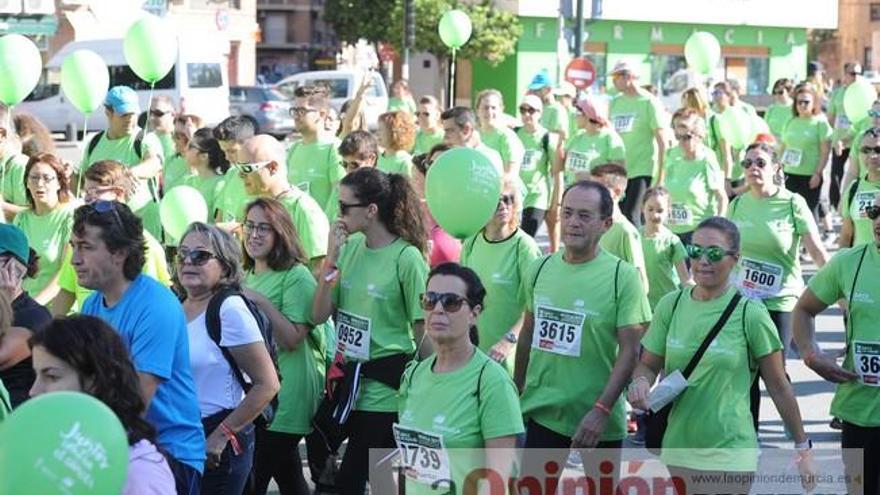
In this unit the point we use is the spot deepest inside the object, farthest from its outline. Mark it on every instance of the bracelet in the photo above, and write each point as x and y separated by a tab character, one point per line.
230	435
602	407
804	445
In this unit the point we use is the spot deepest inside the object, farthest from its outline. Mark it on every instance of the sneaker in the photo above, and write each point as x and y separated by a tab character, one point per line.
836	424
574	460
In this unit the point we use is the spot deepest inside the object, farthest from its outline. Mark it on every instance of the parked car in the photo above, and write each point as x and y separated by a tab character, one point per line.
343	85
269	108
198	80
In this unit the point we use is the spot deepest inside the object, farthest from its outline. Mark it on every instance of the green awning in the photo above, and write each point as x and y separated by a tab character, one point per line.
45	25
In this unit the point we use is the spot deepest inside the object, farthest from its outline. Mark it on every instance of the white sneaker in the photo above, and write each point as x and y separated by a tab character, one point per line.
574	460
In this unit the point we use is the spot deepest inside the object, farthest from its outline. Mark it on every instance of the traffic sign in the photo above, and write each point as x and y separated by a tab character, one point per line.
580	72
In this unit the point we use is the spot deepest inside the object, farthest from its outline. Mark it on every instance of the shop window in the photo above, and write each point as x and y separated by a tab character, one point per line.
757	75
598	60
868	62
669	73
875	12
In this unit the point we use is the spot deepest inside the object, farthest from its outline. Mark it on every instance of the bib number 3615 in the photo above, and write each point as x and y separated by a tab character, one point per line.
558	331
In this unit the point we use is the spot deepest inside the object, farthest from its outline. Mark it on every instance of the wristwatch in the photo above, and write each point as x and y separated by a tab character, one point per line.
804	445
511	337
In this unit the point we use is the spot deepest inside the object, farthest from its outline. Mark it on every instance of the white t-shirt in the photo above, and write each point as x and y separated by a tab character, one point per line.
215	382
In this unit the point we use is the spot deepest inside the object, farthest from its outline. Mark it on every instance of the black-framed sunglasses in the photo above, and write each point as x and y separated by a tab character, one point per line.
158	113
528	110
249	168
344	207
506	199
872	212
748	162
713	253
685	137
102	206
805	102
196	257
450	302
870	150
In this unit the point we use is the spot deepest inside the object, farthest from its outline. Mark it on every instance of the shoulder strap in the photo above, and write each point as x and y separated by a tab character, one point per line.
138	143
793	216
853	189
545	143
215	329
540	267
93	143
480	383
711	335
616	306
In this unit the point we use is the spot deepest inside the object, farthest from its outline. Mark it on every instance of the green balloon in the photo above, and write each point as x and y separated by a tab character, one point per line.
462	190
179	208
21	66
63	443
85	80
858	98
150	48
455	28
702	52
736	127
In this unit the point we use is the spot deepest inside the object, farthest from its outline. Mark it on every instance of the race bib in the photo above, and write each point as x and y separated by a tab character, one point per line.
353	334
579	161
792	157
864	200
558	331
531	158
866	361
760	279
842	122
624	123
304	186
423	456
680	214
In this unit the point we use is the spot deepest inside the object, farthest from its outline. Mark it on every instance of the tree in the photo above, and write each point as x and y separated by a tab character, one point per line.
355	19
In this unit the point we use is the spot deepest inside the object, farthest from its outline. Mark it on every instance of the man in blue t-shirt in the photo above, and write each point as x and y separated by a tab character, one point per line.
108	255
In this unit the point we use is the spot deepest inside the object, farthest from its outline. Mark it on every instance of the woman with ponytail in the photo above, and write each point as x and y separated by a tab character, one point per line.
372	280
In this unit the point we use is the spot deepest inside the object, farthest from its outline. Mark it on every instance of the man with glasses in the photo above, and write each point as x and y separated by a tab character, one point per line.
106	181
161	123
577	348
430	130
460	131
841	138
264	172
857	228
126	143
358	150
313	165
638	117
231	134
108	256
12	166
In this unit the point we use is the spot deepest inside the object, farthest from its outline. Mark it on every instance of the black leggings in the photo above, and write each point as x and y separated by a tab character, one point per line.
531	220
838	165
277	456
366	430
782	321
868	439
800	184
631	205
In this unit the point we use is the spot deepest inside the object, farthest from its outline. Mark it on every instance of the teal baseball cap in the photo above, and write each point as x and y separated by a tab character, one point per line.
541	80
122	100
14	242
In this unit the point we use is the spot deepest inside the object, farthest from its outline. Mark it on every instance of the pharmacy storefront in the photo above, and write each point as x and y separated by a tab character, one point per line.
761	41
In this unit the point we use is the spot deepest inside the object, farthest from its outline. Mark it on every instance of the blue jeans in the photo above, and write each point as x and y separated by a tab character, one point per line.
187	479
231	476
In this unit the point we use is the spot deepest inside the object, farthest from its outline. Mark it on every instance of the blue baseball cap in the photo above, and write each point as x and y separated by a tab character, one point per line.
541	80
122	100
14	242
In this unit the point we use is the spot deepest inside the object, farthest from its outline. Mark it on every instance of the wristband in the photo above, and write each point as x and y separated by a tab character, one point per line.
807	445
602	407
330	272
230	435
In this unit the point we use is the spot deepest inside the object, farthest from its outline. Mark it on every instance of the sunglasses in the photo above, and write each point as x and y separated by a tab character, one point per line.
780	92
748	162
528	110
196	257
872	212
249	168
344	207
102	207
506	199
685	137
805	102
158	113
870	150
713	253
717	93
450	302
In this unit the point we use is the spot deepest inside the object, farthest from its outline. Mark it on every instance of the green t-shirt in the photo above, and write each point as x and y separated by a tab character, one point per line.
572	122
636	119
777	116
691	184
175	173
12	184
142	202
401	104
302	369
842	124
456	410
399	162
426	140
316	168
771	231
506	143
156	266
502	267
712	414
662	252
6	404
377	298
858	401
534	171
555	118
801	140
866	194
624	241
311	224
234	197
492	155
857	132
583	151
574	345
48	235
168	148
211	188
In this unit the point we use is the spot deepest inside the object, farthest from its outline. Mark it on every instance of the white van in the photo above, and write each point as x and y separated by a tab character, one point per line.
343	85
198	79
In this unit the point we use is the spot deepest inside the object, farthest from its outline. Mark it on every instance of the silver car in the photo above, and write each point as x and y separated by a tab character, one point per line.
269	108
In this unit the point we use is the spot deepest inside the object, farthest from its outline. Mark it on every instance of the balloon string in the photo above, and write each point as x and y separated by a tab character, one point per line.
83	165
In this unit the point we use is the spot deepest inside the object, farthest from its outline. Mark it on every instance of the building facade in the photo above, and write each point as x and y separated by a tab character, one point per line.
857	33
294	38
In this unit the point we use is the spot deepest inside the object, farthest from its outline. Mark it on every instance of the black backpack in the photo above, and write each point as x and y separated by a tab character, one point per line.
212	323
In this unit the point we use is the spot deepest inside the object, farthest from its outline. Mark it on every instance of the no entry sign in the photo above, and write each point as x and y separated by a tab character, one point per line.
581	73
